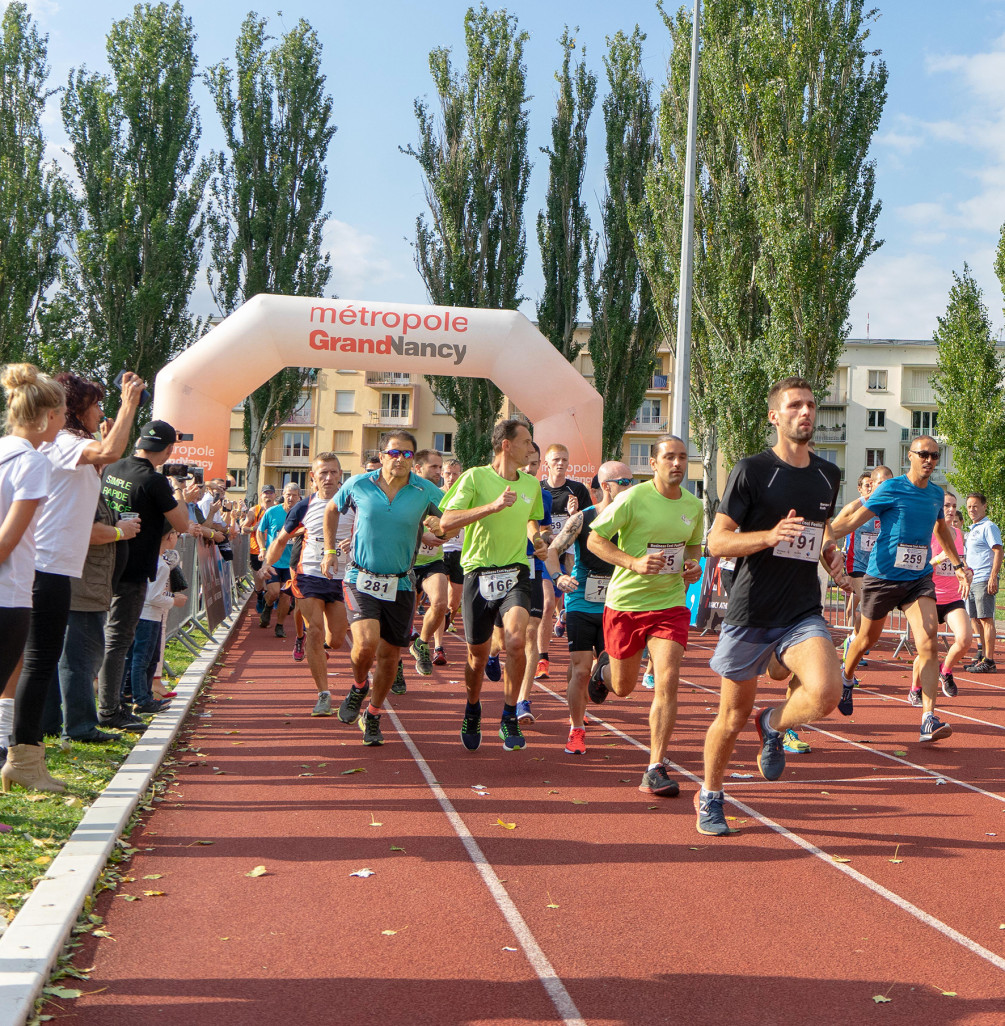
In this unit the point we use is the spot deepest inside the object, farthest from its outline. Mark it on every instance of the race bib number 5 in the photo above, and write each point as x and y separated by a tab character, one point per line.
380	586
911	557
805	546
672	552
496	584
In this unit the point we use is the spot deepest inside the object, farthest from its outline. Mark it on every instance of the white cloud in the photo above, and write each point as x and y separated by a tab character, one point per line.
40	10
899	296
359	268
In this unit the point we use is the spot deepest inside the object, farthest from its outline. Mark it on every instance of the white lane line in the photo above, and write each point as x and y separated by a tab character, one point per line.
843	780
884	892
545	972
944	710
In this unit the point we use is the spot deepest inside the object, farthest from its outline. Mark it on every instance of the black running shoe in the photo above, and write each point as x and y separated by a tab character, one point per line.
399	687
597	689
511	735
348	711
370	725
471	730
657	781
949	688
121	720
847	704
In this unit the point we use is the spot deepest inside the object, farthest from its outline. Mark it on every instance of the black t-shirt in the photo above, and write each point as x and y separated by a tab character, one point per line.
560	497
133	486
770	590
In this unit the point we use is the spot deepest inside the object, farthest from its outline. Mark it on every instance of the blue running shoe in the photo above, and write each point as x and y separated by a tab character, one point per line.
933	729
648	681
493	668
511	735
771	757
711	818
471	730
846	706
523	713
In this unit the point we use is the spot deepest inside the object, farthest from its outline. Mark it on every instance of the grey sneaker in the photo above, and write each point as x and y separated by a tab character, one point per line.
933	729
349	709
399	687
711	818
771	757
914	697
323	706
420	653
657	781
370	725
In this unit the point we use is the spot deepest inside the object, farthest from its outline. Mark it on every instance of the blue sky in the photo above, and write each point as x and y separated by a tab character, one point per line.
940	151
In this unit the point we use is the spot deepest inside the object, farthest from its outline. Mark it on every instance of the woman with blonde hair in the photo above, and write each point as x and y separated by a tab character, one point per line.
36	411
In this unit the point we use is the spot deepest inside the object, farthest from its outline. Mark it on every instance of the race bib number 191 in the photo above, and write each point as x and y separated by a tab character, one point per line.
805	546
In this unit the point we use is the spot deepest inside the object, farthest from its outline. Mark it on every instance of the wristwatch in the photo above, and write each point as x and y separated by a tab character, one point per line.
957	566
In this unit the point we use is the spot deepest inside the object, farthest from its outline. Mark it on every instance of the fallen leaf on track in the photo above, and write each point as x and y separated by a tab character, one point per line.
154	894
839	858
153	876
355	769
388	933
63	992
580	801
506	826
509	949
257	871
395	847
882	999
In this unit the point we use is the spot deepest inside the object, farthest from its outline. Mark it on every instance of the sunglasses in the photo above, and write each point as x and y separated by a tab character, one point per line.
404	454
623	481
924	454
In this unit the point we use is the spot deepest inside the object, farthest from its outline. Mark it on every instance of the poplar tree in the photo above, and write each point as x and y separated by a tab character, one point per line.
267	196
138	229
34	202
624	338
563	227
968	388
473	158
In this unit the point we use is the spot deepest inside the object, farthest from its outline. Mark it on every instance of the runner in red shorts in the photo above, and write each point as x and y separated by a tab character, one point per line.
659	530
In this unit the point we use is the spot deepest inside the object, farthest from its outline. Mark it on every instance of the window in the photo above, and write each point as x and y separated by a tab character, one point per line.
395	405
298	477
874	458
648	413
696	488
443	441
638	455
341	441
830	455
302	413
236	443
297	445
924	422
345	402
877	381
240	477
438	407
875	419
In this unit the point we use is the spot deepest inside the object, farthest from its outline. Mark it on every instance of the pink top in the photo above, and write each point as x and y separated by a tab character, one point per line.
947	585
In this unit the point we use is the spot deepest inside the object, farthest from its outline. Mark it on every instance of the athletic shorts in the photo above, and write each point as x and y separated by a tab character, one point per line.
626	633
452	561
479	613
282	575
981	605
395	617
256	561
880	597
585	631
744	652
537	598
420	573
306	586
943	609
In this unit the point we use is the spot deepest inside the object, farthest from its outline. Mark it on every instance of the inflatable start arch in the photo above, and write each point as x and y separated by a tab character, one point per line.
197	391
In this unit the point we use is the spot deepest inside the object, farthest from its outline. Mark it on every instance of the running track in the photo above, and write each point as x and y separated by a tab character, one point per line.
602	906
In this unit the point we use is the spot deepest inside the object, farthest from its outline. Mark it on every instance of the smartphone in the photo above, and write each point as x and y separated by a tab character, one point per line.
178	470
144	396
197	475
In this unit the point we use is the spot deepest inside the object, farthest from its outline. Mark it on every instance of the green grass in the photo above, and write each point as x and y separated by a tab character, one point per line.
41	822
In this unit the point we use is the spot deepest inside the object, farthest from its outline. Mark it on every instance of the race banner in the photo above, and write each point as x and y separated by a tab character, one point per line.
211	584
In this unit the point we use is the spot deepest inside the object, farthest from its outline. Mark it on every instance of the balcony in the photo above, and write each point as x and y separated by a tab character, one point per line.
380	419
911	395
837	396
648	426
909	434
639	465
300	417
659	383
389	379
282	457
830	433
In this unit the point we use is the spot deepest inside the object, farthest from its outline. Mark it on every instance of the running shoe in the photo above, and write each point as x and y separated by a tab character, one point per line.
439	657
933	729
914	697
847	704
977	661
323	706
597	689
648	681
348	711
298	649
949	688
420	653
399	687
122	719
576	745
280	631
260	603
265	617
523	713
370	725
793	743
771	757
493	668
448	624
511	735
151	707
984	666
657	781
711	818
471	730
559	629
542	670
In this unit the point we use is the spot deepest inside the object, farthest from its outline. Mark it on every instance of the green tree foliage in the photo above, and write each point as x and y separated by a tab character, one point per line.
625	336
969	389
473	157
267	216
34	201
138	228
563	227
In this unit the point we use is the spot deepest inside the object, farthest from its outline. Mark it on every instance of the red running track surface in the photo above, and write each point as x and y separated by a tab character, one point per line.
603	905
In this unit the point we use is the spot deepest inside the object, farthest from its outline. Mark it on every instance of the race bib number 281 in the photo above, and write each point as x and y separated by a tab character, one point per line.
380	586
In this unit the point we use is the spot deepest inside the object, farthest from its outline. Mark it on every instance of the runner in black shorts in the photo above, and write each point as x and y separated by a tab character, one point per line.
452	554
430	576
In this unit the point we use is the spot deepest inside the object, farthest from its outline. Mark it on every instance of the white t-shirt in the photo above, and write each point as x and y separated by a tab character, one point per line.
64	527
23	477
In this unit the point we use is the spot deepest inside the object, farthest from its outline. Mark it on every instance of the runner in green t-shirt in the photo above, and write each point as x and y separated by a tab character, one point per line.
659	529
499	508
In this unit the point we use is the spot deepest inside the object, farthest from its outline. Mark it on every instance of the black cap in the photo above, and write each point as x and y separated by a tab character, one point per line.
595	483
269	488
156	436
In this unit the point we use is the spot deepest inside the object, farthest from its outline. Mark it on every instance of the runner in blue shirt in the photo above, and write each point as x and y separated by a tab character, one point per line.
277	575
899	574
391	507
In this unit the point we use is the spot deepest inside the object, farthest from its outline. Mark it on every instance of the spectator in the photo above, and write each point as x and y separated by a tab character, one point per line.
133	487
36	412
984	557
